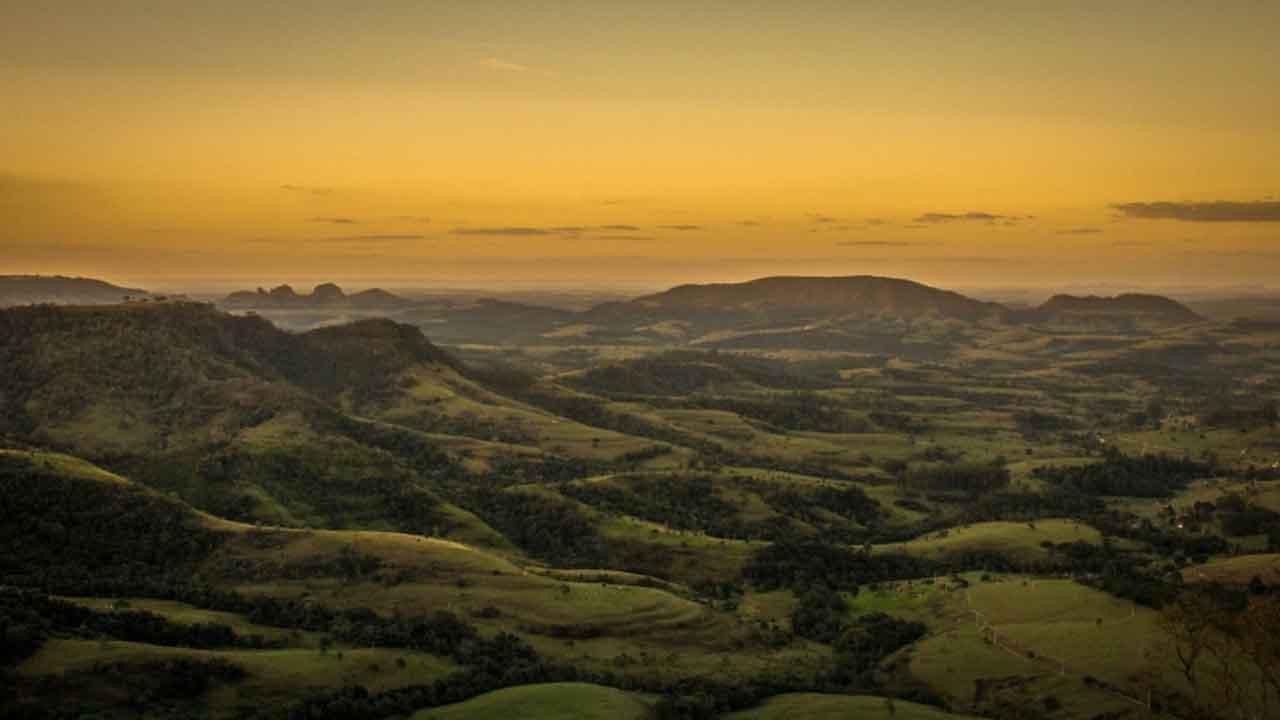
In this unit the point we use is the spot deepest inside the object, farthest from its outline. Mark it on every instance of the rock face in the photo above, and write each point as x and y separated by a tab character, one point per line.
328	293
325	295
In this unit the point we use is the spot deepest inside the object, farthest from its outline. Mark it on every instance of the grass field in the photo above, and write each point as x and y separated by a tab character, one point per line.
551	701
1050	634
272	675
1236	570
1017	540
813	706
185	614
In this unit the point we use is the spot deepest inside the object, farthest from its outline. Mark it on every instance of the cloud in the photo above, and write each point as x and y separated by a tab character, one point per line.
915	227
336	220
505	231
411	218
572	230
974	259
750	223
872	222
1216	211
500	65
1242	254
371	238
308	189
935	217
680	227
635	238
822	219
1080	231
875	243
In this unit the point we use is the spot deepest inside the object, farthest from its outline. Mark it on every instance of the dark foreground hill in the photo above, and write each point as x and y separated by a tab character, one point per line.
231	413
59	290
165	369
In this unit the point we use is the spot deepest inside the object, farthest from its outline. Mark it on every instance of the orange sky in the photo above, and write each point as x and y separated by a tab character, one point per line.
641	143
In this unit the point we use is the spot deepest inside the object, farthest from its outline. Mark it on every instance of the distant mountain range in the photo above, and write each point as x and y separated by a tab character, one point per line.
36	289
863	312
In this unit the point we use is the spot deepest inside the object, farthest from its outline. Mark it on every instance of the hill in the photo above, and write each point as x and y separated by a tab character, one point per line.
232	414
813	706
863	295
67	521
164	375
1119	312
552	701
59	290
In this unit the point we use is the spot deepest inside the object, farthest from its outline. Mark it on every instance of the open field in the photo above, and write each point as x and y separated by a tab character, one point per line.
812	706
1051	633
272	675
553	701
1018	540
1236	570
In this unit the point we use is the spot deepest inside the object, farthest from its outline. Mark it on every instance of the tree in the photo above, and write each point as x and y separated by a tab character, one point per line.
1230	657
1187	627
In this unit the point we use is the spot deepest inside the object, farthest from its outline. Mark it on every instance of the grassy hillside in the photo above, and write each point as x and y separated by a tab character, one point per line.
555	701
809	706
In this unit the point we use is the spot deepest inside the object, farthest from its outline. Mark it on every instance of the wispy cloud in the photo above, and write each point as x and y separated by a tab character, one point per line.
822	219
1235	253
371	238
680	227
501	65
875	243
618	230
505	231
1079	231
1216	211
336	220
308	189
633	238
968	259
971	216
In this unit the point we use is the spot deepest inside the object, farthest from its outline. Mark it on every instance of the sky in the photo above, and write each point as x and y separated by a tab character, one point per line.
628	144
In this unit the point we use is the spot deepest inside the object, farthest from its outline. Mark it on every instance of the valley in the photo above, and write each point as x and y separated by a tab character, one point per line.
795	497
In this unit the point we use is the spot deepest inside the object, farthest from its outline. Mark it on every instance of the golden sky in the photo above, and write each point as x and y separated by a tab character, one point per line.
641	143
